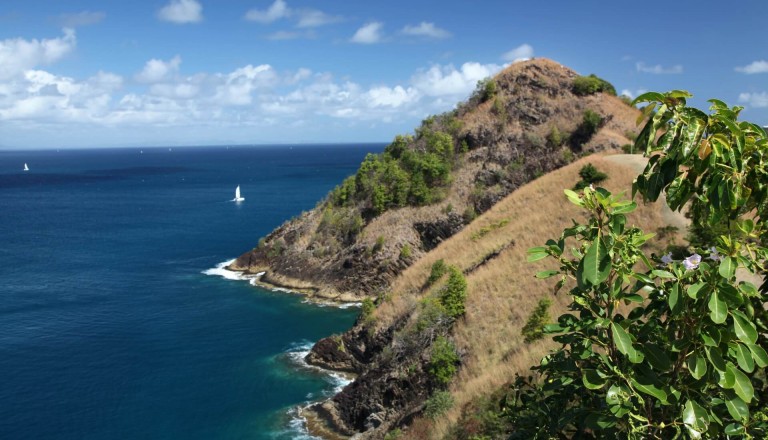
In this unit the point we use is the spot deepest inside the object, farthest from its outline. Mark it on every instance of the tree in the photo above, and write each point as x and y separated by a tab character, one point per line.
688	359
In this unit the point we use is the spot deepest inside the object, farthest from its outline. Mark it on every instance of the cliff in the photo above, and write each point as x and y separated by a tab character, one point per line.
524	123
393	349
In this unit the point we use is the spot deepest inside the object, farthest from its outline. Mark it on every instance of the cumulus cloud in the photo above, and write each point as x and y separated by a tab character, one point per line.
158	70
18	54
449	81
632	93
368	34
755	67
658	69
425	29
520	53
254	95
305	18
757	100
78	19
276	11
182	12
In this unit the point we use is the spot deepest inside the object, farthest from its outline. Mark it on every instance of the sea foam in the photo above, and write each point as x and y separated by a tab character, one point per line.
222	271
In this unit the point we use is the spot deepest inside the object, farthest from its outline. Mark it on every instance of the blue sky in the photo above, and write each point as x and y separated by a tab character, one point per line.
203	72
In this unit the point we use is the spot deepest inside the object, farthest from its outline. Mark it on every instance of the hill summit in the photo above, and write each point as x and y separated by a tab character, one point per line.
528	120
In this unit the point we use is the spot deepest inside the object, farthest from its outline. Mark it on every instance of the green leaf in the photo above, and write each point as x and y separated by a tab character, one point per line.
745	329
597	263
736	407
624	344
728	267
743	386
650	389
662	273
648	97
693	290
675	303
697	365
625	208
715	358
547	273
657	357
592	380
744	358
574	197
759	355
694	416
537	253
718	310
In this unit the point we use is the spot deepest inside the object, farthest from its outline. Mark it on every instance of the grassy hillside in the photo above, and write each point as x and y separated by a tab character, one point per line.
521	124
502	289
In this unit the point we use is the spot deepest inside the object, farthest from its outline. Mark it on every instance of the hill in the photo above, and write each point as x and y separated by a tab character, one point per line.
426	187
392	350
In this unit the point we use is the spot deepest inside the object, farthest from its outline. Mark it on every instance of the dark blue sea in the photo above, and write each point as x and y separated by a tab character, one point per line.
115	323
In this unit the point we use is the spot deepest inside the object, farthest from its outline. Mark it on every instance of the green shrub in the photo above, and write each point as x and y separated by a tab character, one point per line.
554	138
589	85
626	100
432	315
443	361
534	328
438	404
439	268
393	434
366	310
469	214
379	245
589	125
454	294
406	252
589	175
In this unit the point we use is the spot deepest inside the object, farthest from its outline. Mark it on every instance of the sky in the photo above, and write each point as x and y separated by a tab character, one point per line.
96	73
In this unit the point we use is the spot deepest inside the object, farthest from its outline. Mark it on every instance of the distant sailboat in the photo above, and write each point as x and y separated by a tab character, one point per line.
237	195
26	168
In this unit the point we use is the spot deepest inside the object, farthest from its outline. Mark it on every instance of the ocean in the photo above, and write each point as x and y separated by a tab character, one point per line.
115	319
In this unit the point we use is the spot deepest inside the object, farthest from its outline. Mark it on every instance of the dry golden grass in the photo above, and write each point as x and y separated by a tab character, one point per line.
503	292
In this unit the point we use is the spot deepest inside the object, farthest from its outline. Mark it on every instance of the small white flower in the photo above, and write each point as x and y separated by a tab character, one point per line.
714	255
692	262
666	259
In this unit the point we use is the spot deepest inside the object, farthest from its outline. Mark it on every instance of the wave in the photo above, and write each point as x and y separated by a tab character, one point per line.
222	271
297	423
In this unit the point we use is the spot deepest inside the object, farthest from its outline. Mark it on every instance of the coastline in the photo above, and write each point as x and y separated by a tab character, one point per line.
266	277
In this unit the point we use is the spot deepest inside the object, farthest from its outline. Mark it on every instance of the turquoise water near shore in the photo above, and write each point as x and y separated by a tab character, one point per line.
109	325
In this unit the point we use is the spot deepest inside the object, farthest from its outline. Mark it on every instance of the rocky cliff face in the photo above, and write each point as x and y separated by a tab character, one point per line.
503	137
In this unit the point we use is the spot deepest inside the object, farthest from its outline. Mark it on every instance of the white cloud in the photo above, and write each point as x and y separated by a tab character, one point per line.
77	19
754	67
290	35
632	93
305	18
279	9
182	11
391	96
658	69
426	29
757	100
520	53
18	55
308	18
449	81
158	70
368	34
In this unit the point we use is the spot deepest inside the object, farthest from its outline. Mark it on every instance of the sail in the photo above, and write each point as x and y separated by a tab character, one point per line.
26	168
237	192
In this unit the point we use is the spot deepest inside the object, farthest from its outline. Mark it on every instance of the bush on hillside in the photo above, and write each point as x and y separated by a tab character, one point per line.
589	85
590	123
589	176
443	361
533	329
453	295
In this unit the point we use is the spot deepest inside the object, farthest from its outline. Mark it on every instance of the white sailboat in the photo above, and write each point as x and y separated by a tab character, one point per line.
237	195
26	168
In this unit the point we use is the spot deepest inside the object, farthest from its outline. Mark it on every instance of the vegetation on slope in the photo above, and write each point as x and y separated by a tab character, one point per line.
688	359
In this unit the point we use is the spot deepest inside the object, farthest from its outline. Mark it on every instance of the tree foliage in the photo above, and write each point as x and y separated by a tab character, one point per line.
589	175
664	348
589	85
533	329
